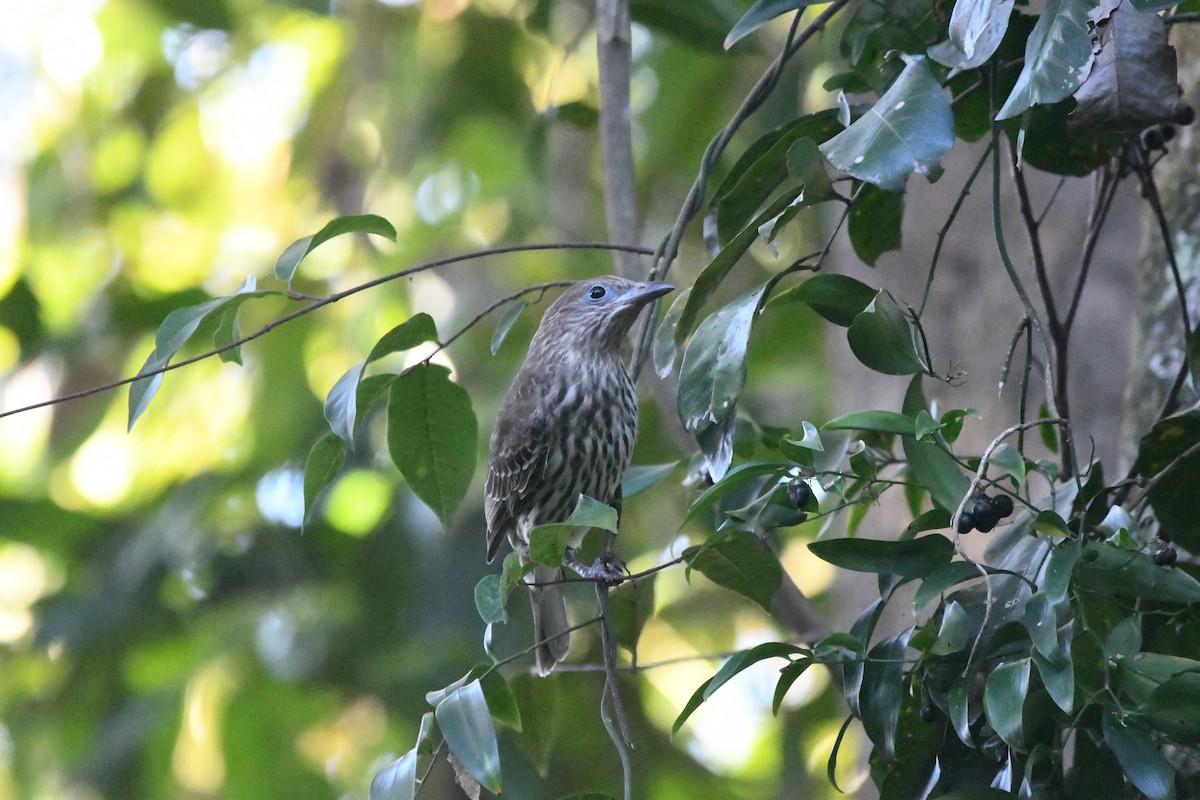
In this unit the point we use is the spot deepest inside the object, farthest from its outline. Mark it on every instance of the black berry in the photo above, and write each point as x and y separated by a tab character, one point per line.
982	509
799	493
966	522
1165	556
1002	505
985	524
929	711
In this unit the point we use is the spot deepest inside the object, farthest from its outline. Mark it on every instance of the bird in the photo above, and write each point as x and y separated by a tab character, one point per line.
566	427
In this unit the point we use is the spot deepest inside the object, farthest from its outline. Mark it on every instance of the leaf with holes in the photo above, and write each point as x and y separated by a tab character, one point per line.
1057	55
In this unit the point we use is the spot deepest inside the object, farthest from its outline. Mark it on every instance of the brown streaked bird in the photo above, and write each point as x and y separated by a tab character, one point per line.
567	427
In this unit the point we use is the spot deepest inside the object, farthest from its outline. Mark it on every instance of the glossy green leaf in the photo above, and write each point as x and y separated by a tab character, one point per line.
743	564
976	29
955	632
735	664
936	471
908	130
882	338
787	676
880	421
1058	676
882	691
289	260
432	436
760	14
1173	708
396	781
1004	701
1141	760
325	460
500	699
641	478
875	223
548	542
491	599
506	322
713	372
665	347
941	579
1125	573
763	167
736	478
1006	458
837	298
466	723
416	330
1057	54
1171	495
915	558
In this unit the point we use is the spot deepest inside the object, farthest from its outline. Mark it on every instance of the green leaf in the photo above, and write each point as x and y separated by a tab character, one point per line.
713	372
506	322
976	29
700	23
763	167
915	558
325	459
760	14
500	700
665	347
907	130
787	676
882	339
736	478
1057	54
1058	676
432	436
1004	701
736	663
1140	759
743	564
882	691
1125	573
880	421
396	781
1005	457
874	225
638	479
491	599
956	631
1050	523
936	471
370	389
1173	708
289	260
416	330
548	542
1171	495
466	723
942	579
836	298
630	606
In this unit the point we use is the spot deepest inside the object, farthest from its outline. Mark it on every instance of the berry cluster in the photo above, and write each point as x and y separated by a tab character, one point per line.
984	515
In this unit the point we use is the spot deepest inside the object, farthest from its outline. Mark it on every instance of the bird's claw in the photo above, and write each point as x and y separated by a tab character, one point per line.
607	568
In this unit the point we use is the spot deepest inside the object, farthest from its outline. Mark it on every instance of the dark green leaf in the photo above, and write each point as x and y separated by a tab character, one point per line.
1006	458
548	542
432	436
506	322
416	330
639	479
1004	701
325	459
881	421
837	298
882	691
882	339
1058	676
760	14
942	579
915	558
1126	573
1056	54
1171	495
831	764
737	477
370	389
787	676
1173	708
874	225
466	722
490	600
907	130
700	23
1140	758
735	664
743	564
396	781
500	700
936	471
665	347
956	631
285	266
762	168
629	607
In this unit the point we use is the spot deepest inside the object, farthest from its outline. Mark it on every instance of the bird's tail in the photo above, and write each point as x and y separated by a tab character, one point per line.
549	620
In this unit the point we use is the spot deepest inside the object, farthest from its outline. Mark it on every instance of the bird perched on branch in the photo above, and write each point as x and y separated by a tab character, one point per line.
567	427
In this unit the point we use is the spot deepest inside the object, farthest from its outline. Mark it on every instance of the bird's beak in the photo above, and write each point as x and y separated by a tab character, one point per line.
645	292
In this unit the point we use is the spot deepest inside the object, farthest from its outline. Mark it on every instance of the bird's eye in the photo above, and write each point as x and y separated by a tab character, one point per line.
597	292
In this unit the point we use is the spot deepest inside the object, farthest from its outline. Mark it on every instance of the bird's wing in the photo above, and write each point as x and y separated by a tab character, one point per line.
517	461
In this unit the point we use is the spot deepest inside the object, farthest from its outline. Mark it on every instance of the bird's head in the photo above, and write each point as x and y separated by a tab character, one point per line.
596	314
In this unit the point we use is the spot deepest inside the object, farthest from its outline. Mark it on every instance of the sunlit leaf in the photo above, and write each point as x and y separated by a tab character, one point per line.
432	436
289	260
466	722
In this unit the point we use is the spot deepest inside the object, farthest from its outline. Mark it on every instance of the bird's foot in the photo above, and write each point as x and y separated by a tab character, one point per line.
607	568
